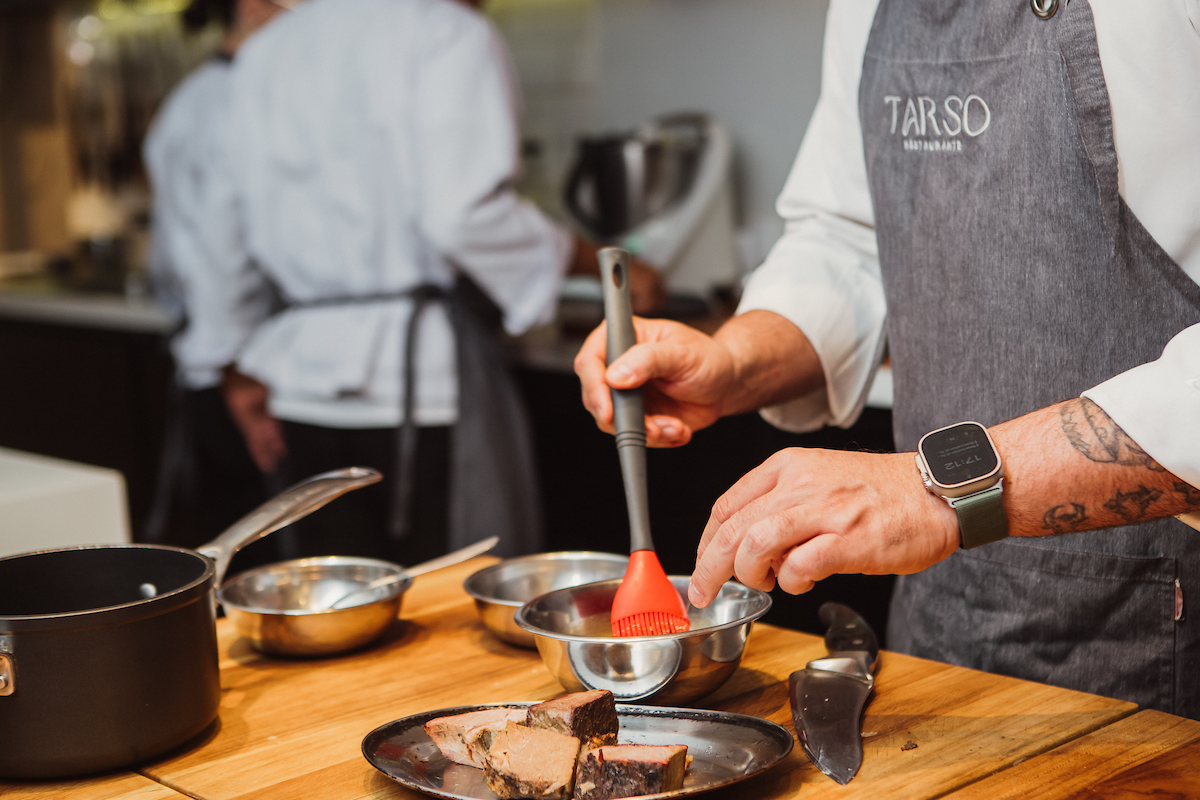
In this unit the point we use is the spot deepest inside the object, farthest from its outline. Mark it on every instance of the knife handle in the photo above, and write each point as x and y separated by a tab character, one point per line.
846	632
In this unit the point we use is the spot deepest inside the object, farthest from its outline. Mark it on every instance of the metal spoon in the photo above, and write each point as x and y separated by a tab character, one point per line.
441	562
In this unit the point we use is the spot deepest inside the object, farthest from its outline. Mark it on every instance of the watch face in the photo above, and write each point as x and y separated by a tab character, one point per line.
959	454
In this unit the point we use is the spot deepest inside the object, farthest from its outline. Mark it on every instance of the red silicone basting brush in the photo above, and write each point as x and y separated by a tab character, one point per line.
646	603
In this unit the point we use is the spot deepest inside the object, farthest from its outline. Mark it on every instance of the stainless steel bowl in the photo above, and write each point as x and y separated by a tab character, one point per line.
573	635
283	608
499	590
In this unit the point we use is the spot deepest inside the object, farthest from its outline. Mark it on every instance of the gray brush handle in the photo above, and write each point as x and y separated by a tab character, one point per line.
628	410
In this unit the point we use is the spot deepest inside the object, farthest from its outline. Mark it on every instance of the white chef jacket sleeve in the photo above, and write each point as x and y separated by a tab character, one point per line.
823	273
167	292
466	133
226	296
1158	404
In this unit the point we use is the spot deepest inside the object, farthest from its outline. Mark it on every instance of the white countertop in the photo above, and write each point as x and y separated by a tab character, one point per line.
48	502
106	311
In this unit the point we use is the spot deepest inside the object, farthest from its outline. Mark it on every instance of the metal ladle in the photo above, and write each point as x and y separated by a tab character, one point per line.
441	562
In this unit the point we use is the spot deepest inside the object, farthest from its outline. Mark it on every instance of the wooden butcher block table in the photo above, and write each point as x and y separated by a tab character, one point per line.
293	729
1150	754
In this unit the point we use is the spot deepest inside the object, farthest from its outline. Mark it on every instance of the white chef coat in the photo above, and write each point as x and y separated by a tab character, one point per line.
372	144
823	274
180	152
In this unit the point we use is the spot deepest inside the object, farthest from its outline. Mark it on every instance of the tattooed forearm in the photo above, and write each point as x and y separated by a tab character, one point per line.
1093	433
1132	506
1191	495
1066	519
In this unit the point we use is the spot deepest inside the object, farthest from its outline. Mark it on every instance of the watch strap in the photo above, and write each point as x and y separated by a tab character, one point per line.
981	517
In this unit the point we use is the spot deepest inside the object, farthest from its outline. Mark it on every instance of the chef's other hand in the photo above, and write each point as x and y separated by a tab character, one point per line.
686	376
647	294
246	399
806	514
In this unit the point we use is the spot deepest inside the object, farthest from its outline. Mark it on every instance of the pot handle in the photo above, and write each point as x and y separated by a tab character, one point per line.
8	675
285	508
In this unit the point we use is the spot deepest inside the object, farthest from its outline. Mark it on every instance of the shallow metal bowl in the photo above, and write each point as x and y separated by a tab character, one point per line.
283	608
573	635
499	590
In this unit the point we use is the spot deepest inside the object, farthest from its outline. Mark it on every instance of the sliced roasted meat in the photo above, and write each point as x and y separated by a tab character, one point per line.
531	762
464	738
627	770
590	717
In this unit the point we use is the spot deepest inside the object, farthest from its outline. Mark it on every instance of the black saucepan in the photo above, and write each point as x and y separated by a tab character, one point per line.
108	654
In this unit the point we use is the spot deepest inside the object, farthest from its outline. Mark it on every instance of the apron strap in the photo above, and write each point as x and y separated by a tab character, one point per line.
406	434
493	474
1089	96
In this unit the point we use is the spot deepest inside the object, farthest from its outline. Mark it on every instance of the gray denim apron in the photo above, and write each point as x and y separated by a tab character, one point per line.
493	475
1016	277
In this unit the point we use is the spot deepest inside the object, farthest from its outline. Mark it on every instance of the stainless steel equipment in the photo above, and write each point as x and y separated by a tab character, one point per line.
298	608
367	592
272	605
574	637
619	181
724	748
828	696
501	589
109	653
661	191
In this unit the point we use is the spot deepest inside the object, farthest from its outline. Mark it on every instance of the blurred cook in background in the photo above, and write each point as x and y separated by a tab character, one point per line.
373	151
208	479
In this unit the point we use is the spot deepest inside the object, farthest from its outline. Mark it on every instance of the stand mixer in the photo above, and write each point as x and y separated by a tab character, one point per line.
662	192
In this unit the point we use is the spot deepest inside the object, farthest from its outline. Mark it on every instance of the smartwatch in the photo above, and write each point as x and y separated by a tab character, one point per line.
960	464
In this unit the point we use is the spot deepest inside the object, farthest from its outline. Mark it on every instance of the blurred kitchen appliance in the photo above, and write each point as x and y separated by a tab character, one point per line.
663	192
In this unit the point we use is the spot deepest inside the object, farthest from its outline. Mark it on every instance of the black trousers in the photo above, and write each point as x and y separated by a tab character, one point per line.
356	524
210	481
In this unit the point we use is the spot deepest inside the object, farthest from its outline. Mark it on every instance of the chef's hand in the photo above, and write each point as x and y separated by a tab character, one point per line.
647	294
690	379
246	399
806	514
686	374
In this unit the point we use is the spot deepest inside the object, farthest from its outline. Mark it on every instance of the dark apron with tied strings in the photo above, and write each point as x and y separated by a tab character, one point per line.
1016	277
493	478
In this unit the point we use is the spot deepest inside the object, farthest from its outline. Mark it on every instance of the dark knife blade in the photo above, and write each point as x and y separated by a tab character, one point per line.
828	696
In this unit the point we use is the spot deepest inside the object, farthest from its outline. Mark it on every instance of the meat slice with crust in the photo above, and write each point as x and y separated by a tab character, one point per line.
590	717
627	770
465	738
531	762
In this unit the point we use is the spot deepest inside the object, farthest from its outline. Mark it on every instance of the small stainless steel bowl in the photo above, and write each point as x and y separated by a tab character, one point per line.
283	608
573	635
499	590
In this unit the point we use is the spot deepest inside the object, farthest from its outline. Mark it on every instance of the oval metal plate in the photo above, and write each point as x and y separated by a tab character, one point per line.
725	748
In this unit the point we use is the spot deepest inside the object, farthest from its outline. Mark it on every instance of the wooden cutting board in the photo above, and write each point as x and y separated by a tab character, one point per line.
126	786
1149	754
293	728
930	729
